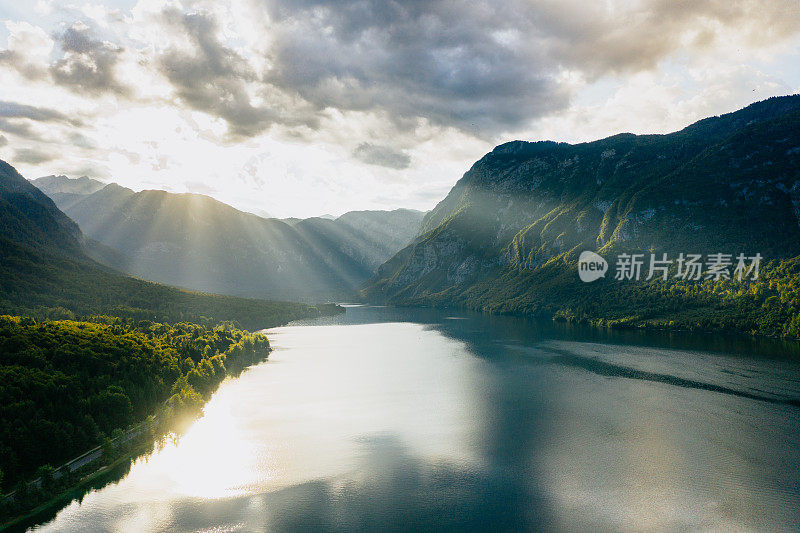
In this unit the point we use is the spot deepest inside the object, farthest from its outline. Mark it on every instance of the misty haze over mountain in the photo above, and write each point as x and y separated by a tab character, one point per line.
194	241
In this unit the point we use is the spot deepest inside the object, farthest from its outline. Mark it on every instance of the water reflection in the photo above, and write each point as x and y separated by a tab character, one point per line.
421	420
467	326
397	490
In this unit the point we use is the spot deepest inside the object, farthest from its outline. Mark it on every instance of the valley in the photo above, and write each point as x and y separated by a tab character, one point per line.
196	242
122	310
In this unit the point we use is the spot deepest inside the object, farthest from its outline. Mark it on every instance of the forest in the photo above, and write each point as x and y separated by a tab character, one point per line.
767	306
65	386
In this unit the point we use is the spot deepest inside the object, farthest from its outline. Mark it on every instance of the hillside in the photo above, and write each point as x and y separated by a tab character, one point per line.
28	217
44	272
194	241
508	235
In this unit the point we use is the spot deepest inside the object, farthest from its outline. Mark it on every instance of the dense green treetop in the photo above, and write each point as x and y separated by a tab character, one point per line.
64	385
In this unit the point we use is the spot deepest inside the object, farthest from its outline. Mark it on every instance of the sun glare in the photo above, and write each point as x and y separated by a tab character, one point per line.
212	459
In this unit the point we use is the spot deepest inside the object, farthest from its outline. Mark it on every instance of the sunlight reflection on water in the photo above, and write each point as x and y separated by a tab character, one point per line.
469	424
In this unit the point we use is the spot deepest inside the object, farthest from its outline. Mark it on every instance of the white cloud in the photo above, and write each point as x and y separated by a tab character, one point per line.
298	108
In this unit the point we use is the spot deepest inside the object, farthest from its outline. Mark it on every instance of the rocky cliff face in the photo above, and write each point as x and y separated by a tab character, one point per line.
725	184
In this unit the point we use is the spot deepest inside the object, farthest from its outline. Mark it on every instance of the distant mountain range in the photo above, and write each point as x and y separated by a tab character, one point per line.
508	235
46	272
64	186
194	241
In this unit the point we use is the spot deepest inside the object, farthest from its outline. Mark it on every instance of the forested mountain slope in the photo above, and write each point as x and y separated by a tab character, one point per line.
508	235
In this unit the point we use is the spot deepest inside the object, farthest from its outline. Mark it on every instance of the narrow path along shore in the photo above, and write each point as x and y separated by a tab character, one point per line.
91	455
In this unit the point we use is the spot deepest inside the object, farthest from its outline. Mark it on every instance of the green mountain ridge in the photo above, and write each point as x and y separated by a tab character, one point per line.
194	241
508	235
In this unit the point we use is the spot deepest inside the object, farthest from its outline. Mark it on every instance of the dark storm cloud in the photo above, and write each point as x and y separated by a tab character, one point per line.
384	156
455	63
20	128
14	110
26	68
597	40
19	119
487	67
212	77
33	156
480	66
88	64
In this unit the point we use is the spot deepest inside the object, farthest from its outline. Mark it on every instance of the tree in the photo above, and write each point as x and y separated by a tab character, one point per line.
46	477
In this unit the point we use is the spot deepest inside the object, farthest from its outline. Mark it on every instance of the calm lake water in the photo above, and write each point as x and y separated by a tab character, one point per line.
423	420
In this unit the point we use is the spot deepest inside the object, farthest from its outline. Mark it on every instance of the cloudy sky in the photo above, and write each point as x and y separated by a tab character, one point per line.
305	107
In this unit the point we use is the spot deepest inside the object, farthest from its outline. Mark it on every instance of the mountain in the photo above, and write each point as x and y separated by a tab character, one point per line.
194	241
30	218
64	185
367	237
508	235
45	272
64	191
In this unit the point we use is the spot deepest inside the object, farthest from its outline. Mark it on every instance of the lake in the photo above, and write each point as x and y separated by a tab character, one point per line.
428	420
